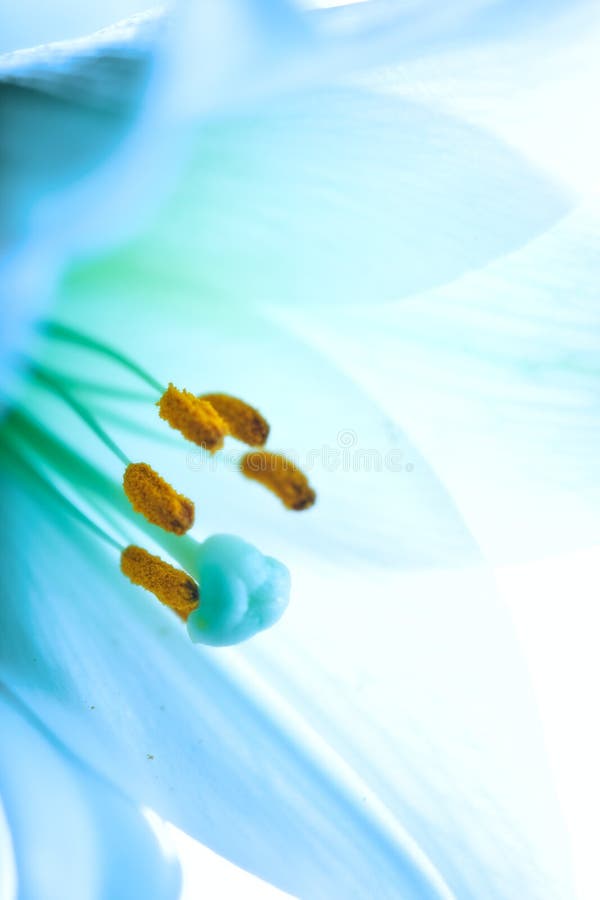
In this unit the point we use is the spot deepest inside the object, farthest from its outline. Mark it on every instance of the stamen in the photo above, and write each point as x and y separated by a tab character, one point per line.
281	476
245	423
155	499
173	587
196	419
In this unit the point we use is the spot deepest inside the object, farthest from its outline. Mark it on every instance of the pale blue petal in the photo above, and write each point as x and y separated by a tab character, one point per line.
340	197
65	113
377	708
74	836
192	734
8	865
93	131
503	397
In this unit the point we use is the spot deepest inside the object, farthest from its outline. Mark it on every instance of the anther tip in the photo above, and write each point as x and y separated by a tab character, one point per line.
308	499
281	476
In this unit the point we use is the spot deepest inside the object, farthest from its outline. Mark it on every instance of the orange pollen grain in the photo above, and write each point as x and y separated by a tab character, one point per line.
196	419
173	587
281	476
154	498
245	423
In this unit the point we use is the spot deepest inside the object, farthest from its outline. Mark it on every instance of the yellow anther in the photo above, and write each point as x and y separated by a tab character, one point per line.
196	419
155	499
173	587
281	476
245	423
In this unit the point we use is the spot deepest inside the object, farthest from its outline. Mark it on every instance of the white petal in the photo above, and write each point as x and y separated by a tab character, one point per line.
503	393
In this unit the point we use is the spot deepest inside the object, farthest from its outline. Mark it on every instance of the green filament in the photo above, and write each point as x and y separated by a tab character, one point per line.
104	390
64	333
46	378
46	485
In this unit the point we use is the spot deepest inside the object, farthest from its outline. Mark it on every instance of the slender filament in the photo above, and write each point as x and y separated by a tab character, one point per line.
64	333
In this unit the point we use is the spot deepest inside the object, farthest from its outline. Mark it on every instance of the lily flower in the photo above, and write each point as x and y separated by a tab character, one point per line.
318	212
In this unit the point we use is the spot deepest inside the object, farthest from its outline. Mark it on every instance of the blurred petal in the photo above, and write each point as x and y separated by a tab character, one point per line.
65	113
66	107
503	398
341	196
528	82
31	24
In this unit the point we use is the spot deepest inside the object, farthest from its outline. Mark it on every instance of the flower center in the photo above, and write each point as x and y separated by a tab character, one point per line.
224	588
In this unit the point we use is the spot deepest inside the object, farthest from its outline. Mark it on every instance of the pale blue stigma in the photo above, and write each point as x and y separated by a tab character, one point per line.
242	592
